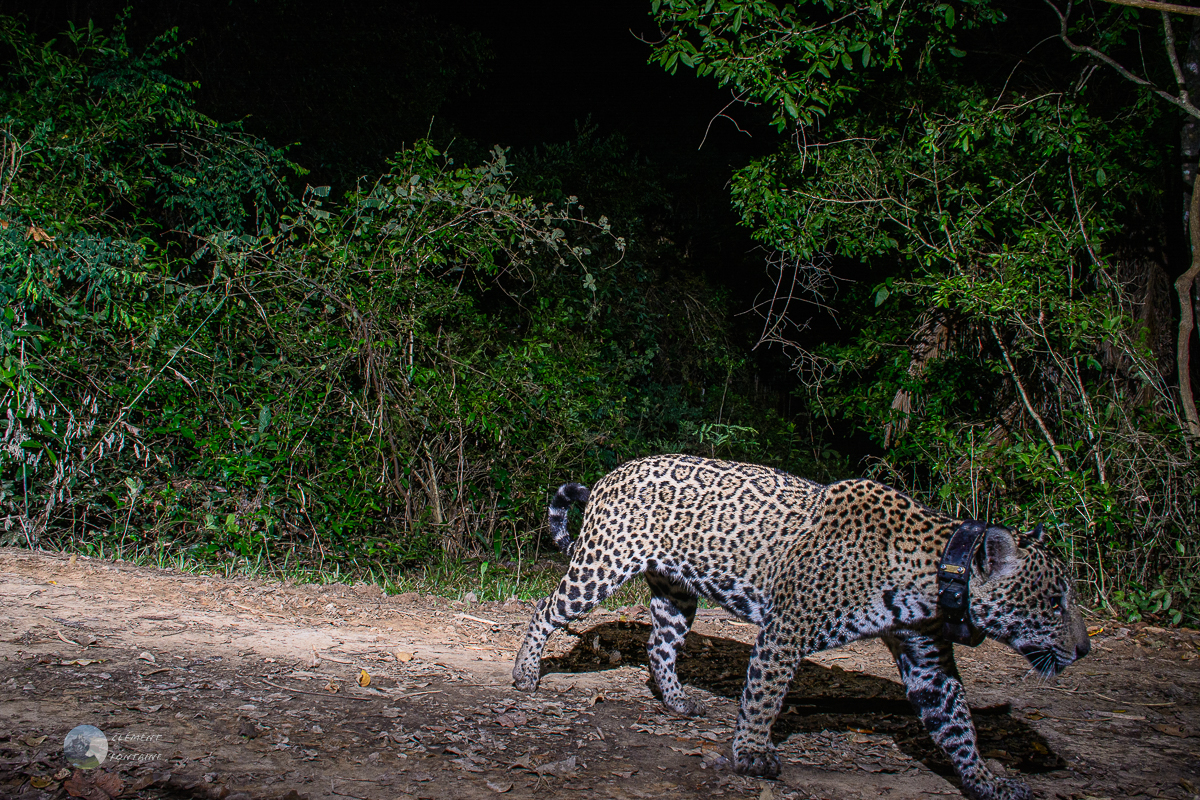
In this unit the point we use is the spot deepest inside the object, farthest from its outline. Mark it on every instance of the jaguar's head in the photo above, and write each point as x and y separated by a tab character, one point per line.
1023	595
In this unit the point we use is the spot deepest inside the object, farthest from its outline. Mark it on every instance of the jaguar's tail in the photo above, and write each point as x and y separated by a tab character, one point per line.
567	494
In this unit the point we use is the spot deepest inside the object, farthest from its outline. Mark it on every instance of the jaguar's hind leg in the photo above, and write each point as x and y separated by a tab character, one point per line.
672	610
580	590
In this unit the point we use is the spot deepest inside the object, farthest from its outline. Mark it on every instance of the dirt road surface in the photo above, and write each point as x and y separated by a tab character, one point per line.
241	689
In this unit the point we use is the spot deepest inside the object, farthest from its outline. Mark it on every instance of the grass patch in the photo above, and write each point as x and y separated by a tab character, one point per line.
448	578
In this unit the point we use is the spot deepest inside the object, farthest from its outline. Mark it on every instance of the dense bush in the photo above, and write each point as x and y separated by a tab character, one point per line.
199	362
986	228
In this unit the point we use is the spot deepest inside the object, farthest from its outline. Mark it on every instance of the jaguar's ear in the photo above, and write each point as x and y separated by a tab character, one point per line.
1000	557
1035	536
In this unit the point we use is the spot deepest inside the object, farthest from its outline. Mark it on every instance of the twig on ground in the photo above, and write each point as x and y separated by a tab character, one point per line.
1131	703
65	639
315	694
331	658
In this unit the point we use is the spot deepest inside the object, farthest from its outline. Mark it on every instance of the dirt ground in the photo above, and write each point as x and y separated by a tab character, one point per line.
243	689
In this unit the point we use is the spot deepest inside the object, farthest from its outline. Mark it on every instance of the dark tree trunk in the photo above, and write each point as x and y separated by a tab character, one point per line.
1185	284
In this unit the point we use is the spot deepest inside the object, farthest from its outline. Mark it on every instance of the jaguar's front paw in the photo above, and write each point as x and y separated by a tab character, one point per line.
526	679
763	763
996	788
689	707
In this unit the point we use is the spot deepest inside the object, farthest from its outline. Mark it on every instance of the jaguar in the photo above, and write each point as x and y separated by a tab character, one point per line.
814	567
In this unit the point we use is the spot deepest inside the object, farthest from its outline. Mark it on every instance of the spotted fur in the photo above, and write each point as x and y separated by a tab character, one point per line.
815	567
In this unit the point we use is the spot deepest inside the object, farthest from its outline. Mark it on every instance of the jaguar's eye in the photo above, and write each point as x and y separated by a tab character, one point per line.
1056	604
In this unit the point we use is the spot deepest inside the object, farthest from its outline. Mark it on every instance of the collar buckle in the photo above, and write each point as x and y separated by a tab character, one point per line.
954	589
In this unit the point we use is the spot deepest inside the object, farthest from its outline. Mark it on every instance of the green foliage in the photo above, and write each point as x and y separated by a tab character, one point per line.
802	60
993	352
203	367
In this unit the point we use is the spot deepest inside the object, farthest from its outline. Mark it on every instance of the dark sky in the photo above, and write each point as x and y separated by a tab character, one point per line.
559	62
555	63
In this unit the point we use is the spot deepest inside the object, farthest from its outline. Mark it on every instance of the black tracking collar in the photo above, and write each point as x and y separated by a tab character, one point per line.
954	579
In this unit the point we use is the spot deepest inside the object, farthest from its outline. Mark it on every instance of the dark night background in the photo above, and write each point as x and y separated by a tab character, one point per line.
348	84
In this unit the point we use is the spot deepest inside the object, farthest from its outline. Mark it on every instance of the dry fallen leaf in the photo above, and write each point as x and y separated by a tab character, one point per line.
499	788
81	662
364	679
1171	730
40	781
766	794
564	767
33	741
331	687
109	783
97	786
1095	630
148	780
511	719
146	656
78	785
38	235
695	751
597	698
403	656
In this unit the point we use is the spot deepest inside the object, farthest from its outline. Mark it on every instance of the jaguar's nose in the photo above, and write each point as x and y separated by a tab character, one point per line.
1083	648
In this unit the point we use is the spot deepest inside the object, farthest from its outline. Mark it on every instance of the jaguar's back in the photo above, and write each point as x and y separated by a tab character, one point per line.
719	527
